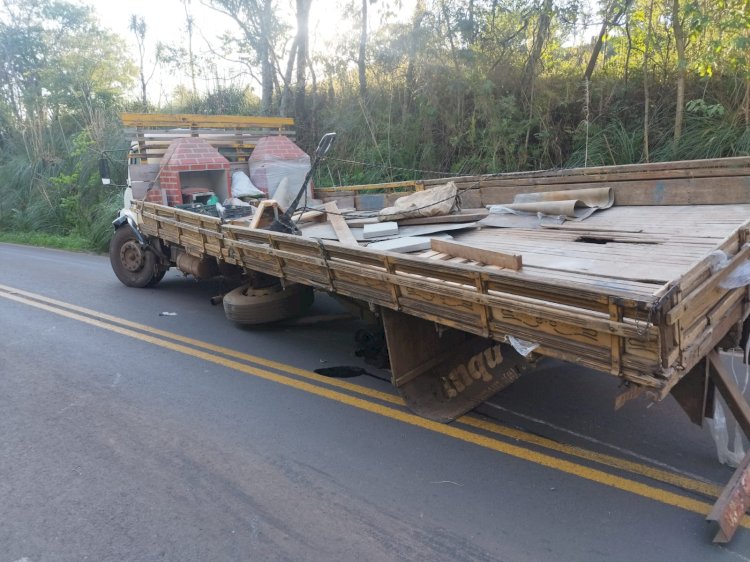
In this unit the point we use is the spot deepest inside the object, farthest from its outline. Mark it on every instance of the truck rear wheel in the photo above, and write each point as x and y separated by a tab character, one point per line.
134	266
247	305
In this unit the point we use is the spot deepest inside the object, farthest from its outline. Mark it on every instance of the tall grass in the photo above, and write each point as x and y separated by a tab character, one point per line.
49	181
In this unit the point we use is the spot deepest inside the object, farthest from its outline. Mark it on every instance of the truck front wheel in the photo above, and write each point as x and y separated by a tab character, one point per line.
134	266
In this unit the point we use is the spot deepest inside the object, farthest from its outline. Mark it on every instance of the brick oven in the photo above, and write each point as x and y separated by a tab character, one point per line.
275	158
191	166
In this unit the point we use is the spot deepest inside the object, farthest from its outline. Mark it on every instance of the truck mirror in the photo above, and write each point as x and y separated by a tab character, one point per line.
325	145
104	170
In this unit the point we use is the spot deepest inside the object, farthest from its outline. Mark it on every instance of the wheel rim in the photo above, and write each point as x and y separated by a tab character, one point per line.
132	256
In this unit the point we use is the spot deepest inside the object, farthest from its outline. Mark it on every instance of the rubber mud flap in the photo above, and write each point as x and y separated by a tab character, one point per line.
443	373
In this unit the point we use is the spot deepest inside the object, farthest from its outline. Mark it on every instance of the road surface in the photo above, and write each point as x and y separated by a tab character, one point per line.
129	435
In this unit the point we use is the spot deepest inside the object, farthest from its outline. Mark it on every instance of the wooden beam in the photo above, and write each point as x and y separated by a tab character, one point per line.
731	506
339	225
368	187
203	121
725	384
265	205
693	392
697	295
489	257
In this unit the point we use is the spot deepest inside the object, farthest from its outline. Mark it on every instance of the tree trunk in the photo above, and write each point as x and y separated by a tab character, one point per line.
529	74
361	60
266	100
628	52
286	93
646	96
300	102
472	24
612	18
191	61
312	124
138	27
409	80
540	38
449	33
679	39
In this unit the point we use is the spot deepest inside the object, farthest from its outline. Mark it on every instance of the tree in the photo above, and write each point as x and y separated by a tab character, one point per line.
138	27
261	29
646	89
300	106
362	55
612	16
189	27
680	40
55	58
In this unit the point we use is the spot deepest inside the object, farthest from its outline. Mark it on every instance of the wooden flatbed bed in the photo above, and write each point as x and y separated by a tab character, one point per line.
632	291
629	291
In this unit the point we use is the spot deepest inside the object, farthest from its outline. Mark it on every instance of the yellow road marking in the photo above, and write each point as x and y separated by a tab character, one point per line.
568	467
667	477
385	397
684	482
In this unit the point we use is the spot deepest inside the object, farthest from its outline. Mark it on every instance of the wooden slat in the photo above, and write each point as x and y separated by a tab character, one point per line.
695	298
338	223
680	191
203	121
411	185
490	257
682	165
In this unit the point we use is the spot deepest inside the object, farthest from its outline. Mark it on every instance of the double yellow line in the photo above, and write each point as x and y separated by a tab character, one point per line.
390	406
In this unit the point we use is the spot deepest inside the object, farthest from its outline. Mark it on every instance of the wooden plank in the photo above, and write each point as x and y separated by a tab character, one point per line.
338	223
491	257
465	215
411	185
615	315
307	216
685	191
694	298
734	501
265	205
728	389
739	162
607	177
203	121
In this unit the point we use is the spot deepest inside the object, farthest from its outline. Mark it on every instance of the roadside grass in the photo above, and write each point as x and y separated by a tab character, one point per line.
70	242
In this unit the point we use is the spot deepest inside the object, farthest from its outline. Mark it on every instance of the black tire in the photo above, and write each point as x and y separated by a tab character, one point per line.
160	273
246	305
133	266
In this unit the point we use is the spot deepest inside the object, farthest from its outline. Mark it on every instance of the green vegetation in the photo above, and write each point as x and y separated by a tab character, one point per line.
75	243
460	87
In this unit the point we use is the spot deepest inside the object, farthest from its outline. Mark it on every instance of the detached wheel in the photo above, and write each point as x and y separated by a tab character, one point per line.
133	266
246	305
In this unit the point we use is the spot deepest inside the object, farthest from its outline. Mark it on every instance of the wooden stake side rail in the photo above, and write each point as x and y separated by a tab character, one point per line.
651	341
568	320
200	235
650	338
693	182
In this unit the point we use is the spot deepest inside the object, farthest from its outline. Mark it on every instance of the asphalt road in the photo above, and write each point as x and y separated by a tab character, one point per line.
126	435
